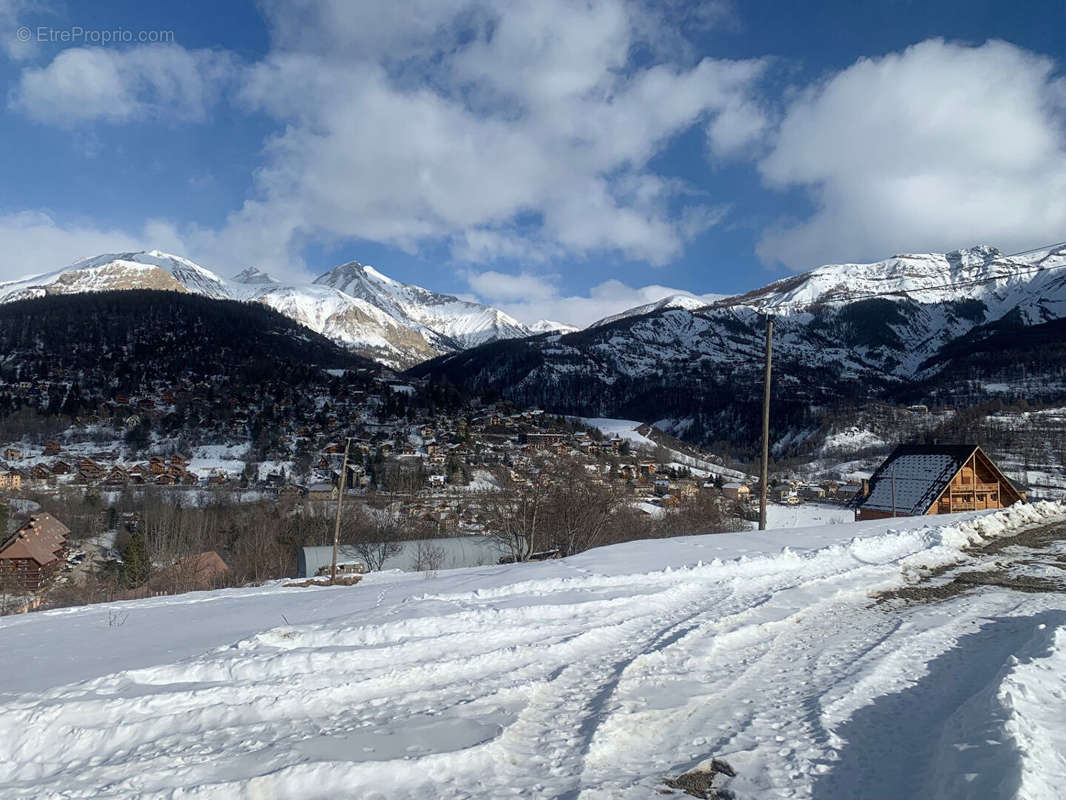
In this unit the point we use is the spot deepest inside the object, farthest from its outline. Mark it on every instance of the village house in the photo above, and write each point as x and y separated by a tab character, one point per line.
737	491
321	491
39	472
12	454
935	479
117	476
32	554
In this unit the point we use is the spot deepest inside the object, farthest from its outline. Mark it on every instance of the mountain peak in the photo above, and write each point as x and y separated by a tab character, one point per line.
551	326
253	275
687	302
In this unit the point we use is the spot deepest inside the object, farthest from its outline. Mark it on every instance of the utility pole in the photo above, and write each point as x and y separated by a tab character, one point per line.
892	473
340	505
764	475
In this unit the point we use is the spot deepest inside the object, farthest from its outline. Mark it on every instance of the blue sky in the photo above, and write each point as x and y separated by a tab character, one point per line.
557	159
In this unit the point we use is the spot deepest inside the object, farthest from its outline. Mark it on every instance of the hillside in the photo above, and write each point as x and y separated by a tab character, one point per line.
156	333
953	329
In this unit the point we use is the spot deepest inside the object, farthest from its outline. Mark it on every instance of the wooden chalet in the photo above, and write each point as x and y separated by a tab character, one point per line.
90	469
40	472
117	476
935	479
32	554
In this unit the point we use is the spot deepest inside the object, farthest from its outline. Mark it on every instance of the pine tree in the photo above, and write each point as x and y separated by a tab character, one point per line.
135	564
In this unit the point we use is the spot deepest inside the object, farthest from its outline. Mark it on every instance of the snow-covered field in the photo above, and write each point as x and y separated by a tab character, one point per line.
806	515
594	676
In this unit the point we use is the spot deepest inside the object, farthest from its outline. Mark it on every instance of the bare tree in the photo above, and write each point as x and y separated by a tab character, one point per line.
515	517
579	509
375	535
428	558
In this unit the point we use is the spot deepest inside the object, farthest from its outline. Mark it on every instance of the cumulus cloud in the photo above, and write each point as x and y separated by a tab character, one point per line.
506	131
529	298
502	129
939	146
118	85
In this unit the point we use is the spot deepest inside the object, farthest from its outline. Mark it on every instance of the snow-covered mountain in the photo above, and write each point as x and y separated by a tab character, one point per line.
253	275
392	322
551	326
116	271
1030	282
951	329
468	324
686	301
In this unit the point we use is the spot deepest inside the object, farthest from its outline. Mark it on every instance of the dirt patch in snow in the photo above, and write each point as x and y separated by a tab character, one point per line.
1010	556
699	782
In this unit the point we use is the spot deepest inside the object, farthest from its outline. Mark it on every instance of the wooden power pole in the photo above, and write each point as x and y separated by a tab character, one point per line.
340	505
764	474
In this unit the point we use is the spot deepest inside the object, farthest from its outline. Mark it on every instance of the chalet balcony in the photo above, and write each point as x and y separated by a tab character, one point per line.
970	489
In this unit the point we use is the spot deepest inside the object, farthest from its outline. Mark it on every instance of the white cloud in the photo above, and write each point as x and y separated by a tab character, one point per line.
506	130
117	85
509	288
534	297
518	131
33	242
14	42
936	147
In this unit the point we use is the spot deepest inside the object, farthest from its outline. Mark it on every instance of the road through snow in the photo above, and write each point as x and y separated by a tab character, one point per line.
596	676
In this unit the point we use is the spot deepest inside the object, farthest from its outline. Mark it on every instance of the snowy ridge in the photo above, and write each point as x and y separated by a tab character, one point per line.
597	675
977	273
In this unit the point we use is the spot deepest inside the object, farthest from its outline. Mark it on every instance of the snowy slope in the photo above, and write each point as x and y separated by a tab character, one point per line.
594	676
468	324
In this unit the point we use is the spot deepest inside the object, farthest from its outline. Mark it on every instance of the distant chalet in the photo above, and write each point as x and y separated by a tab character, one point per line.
32	554
935	479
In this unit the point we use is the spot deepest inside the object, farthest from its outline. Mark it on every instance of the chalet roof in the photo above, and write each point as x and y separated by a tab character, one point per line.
914	476
40	538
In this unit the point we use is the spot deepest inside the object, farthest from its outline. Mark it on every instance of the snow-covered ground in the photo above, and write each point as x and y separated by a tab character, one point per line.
590	677
806	515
